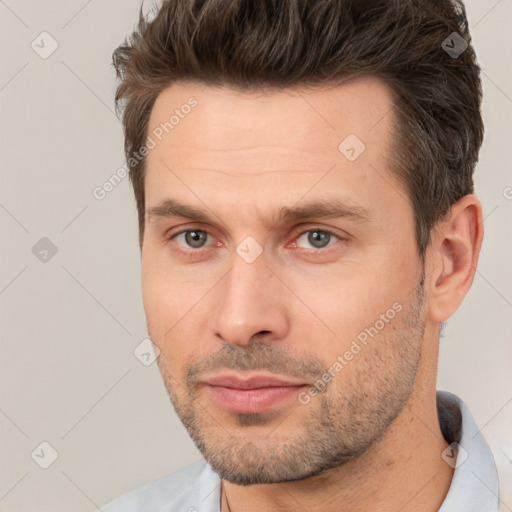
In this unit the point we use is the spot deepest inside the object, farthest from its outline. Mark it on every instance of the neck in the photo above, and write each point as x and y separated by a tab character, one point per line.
403	471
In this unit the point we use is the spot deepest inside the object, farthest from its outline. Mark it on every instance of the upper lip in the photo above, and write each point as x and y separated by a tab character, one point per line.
253	382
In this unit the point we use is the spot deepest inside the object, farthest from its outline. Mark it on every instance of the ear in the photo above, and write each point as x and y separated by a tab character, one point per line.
452	257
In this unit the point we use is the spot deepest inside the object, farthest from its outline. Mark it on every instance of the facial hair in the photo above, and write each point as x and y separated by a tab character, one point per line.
338	425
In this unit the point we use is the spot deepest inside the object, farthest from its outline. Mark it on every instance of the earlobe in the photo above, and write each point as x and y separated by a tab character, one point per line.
453	257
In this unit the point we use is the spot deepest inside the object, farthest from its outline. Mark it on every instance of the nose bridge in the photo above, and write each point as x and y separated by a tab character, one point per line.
248	303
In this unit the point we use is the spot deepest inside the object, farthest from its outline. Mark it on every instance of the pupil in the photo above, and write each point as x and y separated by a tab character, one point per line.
195	238
319	238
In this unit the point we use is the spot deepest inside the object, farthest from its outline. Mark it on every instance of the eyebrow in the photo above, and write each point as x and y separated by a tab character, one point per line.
325	209
172	208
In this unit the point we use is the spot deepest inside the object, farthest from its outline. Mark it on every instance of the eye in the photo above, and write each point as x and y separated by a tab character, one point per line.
192	238
317	238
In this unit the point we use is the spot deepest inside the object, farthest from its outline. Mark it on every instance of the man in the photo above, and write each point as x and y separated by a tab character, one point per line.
303	176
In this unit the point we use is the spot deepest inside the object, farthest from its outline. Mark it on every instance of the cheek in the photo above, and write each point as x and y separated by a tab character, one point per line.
168	306
164	294
356	297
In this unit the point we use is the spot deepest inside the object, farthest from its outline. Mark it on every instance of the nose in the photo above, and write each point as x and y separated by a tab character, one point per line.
250	305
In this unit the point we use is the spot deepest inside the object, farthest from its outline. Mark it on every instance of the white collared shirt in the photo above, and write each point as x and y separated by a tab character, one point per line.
474	487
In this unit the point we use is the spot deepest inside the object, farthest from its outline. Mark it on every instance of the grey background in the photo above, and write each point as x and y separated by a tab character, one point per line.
70	324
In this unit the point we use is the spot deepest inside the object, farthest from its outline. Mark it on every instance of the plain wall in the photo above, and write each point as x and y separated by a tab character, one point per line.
68	375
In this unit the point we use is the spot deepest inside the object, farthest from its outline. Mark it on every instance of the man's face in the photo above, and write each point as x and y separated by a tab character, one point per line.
268	291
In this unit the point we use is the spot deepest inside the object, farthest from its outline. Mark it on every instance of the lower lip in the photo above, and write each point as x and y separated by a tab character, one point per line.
252	400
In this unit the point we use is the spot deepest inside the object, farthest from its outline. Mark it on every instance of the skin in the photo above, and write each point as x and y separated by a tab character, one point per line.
371	440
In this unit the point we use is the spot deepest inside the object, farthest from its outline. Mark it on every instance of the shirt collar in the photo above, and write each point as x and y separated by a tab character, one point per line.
474	486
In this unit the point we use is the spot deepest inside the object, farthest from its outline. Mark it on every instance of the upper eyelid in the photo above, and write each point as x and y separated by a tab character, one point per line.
323	230
330	232
295	233
174	235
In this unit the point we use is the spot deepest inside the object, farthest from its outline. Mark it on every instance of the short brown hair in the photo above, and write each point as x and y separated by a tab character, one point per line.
270	44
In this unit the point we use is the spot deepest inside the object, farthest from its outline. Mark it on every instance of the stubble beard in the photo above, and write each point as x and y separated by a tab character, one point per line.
337	426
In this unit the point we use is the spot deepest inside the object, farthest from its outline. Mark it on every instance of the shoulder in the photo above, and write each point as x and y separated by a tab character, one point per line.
176	491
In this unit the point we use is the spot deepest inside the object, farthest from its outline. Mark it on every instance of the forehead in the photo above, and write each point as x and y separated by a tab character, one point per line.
217	140
314	119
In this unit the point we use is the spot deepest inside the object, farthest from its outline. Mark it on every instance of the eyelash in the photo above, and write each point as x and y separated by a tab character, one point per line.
296	236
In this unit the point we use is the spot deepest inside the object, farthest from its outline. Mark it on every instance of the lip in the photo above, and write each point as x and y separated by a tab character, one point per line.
251	382
257	393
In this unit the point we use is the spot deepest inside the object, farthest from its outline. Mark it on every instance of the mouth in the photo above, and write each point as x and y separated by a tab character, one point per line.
257	393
